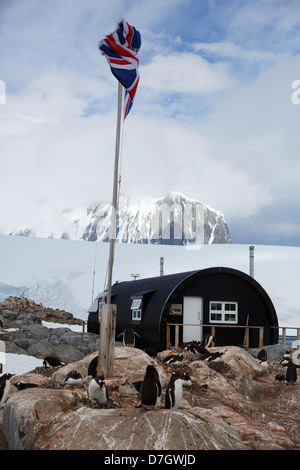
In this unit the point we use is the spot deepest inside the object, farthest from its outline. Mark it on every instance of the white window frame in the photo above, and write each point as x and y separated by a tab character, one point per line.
136	314
223	312
136	309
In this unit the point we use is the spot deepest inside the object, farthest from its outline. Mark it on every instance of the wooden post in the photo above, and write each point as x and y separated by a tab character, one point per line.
261	337
283	335
298	337
168	337
246	337
107	340
176	335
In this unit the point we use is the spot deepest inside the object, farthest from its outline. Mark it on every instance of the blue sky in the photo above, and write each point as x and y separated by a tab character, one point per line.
213	116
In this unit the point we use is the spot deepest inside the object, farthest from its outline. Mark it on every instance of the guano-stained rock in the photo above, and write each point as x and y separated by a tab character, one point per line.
226	407
135	429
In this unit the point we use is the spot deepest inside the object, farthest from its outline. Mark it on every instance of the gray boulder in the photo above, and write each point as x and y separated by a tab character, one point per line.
40	341
275	352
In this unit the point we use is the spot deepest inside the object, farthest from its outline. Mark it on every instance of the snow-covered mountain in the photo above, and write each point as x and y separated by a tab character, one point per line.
172	220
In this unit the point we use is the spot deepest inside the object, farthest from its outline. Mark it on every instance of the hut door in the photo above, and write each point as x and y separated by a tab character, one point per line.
192	315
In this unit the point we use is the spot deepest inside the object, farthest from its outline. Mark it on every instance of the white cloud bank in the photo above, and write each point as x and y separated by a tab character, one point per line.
213	120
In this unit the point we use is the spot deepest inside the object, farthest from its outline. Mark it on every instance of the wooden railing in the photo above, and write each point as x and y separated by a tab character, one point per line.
284	328
213	332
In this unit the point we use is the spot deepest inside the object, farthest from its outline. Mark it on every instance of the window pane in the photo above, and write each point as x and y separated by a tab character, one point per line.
230	307
136	303
136	314
230	317
215	306
215	316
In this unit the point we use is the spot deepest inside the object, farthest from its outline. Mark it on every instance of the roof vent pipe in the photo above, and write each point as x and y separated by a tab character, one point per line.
161	271
251	260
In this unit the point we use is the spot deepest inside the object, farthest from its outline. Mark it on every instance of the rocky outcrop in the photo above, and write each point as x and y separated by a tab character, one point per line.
233	404
17	312
24	333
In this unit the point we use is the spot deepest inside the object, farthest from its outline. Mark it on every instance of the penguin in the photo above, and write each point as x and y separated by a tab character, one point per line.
4	387
262	357
97	390
150	351
173	359
280	377
285	359
185	379
291	373
23	386
212	357
137	385
92	369
189	346
73	378
296	357
207	340
174	389
129	337
195	347
52	361
151	388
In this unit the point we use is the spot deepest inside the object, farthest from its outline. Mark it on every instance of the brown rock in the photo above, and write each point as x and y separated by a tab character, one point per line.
223	409
135	429
28	410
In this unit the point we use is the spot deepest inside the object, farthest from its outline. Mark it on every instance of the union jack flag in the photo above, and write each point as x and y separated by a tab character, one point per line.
120	49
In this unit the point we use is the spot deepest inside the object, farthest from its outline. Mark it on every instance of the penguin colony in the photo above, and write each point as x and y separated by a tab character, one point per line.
290	360
150	388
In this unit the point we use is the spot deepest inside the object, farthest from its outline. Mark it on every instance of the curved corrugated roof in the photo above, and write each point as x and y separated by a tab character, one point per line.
158	289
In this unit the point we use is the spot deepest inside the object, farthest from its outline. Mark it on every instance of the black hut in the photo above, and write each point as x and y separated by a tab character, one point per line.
218	296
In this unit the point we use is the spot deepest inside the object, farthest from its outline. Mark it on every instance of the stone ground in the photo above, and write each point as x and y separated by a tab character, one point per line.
236	395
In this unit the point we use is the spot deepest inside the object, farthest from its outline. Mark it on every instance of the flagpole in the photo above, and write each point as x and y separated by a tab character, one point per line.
113	231
108	312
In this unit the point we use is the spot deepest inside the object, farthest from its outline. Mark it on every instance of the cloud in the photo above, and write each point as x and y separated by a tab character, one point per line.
230	50
185	73
214	119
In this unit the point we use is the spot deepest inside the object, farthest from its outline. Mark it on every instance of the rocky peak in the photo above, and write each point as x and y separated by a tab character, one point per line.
174	219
